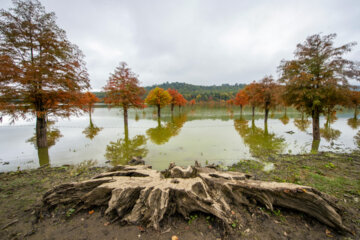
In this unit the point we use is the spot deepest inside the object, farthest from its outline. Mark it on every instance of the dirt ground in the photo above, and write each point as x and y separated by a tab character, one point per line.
335	174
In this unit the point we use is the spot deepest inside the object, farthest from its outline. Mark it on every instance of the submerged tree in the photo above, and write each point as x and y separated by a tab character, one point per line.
42	73
354	101
123	90
267	95
252	91
158	97
317	70
241	99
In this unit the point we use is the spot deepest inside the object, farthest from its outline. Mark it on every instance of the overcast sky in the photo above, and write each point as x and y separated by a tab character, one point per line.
199	42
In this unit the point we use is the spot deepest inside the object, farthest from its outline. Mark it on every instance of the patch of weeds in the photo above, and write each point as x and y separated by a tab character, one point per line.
192	218
82	167
278	179
276	212
330	165
70	212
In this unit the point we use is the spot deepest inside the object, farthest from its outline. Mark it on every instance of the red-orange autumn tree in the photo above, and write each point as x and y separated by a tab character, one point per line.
41	72
252	91
317	70
158	97
241	99
88	100
354	101
123	90
267	94
192	102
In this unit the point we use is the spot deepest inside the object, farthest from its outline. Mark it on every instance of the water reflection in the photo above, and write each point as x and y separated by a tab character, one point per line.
354	123
53	135
122	150
329	134
162	134
261	143
284	119
302	124
92	130
357	139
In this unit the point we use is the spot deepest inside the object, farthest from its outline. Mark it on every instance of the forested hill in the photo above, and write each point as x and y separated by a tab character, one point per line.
202	93
197	92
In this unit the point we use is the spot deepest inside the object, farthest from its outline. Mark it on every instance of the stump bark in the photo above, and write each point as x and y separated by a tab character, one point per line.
141	195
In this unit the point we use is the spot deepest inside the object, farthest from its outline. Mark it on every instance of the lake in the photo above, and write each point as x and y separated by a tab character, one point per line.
209	135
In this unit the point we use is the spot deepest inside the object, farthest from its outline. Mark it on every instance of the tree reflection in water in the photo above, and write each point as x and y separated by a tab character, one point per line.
53	134
302	124
122	150
260	142
92	130
162	134
354	123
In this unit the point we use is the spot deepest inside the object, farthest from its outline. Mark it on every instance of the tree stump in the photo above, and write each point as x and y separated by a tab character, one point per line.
141	195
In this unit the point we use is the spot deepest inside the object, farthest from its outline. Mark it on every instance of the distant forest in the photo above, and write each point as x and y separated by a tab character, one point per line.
197	92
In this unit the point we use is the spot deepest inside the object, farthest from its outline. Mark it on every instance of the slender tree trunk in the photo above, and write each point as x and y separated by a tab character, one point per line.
266	132
43	154
253	112
41	138
126	133
158	108
266	114
125	116
285	110
355	112
315	146
172	108
316	124
240	110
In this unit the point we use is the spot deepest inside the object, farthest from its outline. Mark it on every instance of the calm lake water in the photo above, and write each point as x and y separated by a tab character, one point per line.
209	135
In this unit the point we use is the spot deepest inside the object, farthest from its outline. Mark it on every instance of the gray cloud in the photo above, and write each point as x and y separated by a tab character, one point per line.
200	42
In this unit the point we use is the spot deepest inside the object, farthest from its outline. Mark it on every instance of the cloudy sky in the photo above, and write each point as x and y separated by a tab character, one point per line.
200	42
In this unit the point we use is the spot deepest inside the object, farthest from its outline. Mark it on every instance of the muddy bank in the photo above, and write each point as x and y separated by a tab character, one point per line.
335	174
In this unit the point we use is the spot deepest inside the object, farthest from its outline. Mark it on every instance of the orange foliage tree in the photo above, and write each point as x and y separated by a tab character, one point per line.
158	97
42	73
241	99
254	100
123	90
88	100
181	101
177	99
267	94
354	101
317	70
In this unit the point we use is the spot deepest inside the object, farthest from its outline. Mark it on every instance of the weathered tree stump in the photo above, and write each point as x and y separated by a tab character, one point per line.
141	195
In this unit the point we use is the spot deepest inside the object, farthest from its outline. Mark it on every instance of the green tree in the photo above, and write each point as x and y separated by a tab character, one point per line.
318	69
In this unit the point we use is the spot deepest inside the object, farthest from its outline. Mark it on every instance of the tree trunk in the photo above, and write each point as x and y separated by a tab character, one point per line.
316	124
43	155
158	112
315	146
172	108
266	114
41	129
141	195
125	116
355	112
253	112
241	110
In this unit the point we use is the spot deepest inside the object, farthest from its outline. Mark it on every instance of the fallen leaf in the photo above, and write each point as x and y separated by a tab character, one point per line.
141	229
328	233
174	238
247	230
285	234
107	224
232	212
91	212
